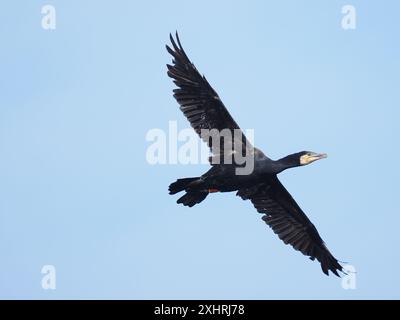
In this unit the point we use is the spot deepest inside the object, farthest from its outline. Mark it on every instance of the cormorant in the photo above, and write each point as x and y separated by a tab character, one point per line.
204	109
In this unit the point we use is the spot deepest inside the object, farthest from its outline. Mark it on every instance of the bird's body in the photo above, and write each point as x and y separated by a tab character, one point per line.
205	111
223	178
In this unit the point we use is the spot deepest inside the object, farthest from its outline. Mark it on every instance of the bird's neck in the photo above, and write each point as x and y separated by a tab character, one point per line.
286	163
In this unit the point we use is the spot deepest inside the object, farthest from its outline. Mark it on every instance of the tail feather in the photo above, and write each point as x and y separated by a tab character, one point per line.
180	185
193	194
192	197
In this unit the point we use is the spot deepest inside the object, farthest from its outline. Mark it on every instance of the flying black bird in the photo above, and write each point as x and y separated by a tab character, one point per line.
204	109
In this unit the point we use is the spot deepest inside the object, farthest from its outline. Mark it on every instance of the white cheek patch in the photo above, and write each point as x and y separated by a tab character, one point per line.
304	160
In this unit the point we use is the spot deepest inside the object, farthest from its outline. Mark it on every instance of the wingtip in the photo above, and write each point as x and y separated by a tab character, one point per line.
179	42
168	49
336	268
334	271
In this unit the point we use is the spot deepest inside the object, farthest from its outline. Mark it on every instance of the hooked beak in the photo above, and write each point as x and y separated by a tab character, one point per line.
311	157
319	156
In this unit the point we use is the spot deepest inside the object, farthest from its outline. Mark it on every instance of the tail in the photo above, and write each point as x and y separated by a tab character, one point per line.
191	197
180	185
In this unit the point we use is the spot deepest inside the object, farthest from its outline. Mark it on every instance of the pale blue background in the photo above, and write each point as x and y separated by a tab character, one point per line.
76	190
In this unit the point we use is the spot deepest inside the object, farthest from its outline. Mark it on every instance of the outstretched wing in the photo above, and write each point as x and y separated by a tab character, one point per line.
201	104
289	222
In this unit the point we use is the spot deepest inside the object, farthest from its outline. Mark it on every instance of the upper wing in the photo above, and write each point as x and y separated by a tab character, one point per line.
289	222
201	104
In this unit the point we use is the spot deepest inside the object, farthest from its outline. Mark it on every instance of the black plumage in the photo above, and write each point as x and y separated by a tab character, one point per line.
204	109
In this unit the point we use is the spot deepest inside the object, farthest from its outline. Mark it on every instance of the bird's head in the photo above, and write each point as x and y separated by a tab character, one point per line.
300	159
307	157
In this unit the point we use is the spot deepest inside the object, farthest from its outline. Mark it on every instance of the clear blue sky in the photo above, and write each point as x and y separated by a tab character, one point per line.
76	191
